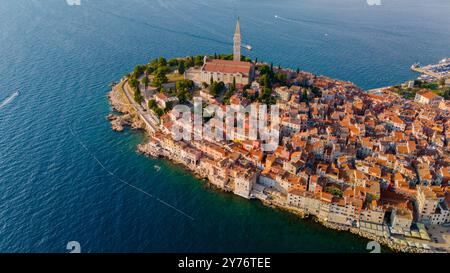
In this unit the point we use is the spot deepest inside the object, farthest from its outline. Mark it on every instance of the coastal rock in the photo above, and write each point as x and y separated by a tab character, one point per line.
118	101
118	122
137	123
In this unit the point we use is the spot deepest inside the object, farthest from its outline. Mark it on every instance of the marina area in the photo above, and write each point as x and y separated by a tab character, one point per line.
433	72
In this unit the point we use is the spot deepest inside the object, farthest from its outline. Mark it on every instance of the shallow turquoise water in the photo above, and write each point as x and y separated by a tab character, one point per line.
62	58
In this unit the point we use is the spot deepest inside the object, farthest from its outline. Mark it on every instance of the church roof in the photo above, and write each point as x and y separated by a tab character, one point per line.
225	66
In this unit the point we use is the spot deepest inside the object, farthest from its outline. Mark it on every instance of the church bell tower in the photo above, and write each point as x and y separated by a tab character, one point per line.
237	42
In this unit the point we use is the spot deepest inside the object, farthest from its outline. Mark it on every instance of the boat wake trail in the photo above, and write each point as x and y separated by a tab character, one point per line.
162	29
124	181
286	19
9	99
303	21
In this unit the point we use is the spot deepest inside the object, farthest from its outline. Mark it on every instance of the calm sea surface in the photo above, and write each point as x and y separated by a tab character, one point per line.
62	59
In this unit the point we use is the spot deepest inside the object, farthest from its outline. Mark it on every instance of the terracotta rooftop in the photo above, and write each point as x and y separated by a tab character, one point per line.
225	66
427	94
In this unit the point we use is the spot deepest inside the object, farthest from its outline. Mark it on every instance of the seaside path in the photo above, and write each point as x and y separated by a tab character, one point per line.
150	121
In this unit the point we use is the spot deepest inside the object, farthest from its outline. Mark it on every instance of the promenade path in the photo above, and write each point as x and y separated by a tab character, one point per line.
150	120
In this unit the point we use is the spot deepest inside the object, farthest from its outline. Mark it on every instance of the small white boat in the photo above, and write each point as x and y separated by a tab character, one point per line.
249	47
416	65
157	168
9	99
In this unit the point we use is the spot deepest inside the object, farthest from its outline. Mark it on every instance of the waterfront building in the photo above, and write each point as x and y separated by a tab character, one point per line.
401	219
373	213
427	205
304	200
216	171
343	213
244	181
190	155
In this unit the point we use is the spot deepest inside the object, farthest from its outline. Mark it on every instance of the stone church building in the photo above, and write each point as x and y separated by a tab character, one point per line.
227	70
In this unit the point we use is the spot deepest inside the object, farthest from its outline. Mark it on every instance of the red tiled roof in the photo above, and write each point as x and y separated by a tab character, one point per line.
161	96
427	94
225	66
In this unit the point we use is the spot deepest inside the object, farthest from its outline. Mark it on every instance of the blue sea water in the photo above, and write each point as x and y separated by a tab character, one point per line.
62	59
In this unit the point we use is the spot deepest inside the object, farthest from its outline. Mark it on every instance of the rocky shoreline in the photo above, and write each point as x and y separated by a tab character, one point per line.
127	116
145	149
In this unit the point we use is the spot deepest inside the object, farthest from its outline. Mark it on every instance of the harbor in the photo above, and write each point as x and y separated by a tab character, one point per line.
433	72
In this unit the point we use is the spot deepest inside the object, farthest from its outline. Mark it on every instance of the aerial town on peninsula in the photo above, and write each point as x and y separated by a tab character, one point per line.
376	163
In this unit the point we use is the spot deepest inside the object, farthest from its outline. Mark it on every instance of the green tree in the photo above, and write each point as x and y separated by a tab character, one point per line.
139	70
138	96
149	69
163	69
162	61
233	85
133	82
264	70
265	81
153	65
245	93
173	62
446	93
187	85
266	96
216	88
159	111
304	97
169	106
198	60
281	78
181	68
189	62
316	91
160	79
227	96
183	96
145	81
152	104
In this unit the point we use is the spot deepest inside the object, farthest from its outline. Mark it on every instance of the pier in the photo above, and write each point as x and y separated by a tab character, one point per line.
438	71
